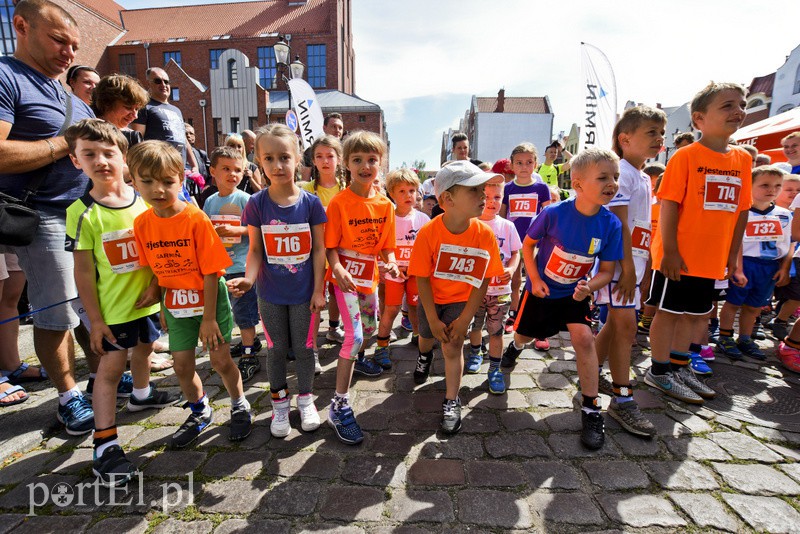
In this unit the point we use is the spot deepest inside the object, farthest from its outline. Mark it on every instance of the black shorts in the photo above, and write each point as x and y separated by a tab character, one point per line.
542	318
130	334
791	291
690	294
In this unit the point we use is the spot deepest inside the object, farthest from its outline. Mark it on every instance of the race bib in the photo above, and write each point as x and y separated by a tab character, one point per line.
121	250
523	205
229	220
183	303
403	255
566	268
287	244
763	228
496	287
640	239
462	264
360	266
722	193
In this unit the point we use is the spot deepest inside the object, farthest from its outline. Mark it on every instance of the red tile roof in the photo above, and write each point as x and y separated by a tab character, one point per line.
237	19
527	104
108	9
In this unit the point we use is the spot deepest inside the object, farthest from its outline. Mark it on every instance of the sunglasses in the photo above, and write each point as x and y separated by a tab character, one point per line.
159	81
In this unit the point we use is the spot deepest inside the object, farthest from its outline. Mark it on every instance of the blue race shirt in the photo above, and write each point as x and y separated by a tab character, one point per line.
231	206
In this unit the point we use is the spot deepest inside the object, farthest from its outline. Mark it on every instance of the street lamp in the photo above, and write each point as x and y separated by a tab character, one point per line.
282	54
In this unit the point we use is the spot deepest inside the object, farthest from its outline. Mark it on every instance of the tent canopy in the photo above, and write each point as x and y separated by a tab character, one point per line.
766	135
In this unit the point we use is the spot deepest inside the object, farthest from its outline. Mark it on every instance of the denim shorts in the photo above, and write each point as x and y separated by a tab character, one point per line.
245	308
50	273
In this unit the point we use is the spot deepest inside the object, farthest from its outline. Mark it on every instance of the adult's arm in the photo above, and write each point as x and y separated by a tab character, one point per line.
138	128
24	156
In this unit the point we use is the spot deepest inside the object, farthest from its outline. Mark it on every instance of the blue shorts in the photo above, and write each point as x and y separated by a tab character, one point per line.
130	334
760	284
245	308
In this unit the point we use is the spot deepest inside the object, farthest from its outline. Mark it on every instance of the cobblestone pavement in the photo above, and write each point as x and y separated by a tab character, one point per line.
517	465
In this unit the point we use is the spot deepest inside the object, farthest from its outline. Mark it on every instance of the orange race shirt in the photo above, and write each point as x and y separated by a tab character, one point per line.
360	228
455	263
711	190
181	249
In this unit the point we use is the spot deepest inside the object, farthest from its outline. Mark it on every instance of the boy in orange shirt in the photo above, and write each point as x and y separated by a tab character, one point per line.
454	257
178	242
705	196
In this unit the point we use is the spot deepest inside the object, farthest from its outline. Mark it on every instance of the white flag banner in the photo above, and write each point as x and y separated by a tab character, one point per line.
600	99
309	112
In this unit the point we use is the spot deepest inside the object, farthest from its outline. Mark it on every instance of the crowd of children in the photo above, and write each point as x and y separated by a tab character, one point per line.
639	241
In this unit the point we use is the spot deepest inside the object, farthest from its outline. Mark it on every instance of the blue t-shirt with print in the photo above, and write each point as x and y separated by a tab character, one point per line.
277	283
35	106
231	205
569	242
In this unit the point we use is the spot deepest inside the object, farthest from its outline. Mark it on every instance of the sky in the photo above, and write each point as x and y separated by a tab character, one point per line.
423	60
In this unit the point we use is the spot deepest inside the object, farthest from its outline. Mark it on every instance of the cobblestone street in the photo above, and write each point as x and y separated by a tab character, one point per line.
517	464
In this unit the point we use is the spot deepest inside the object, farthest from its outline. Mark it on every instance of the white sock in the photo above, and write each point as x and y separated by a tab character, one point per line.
141	394
102	448
240	404
518	347
66	396
92	375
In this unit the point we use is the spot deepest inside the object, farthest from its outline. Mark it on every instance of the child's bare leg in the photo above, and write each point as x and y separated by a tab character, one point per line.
747	320
248	336
104	395
191	386
140	365
413	316
223	364
453	366
623	321
583	343
516	284
387	319
727	316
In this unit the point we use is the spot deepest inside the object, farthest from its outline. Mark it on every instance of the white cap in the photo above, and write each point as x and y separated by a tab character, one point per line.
460	172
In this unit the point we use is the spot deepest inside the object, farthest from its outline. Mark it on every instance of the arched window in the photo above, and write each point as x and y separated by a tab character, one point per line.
233	75
797	80
755	103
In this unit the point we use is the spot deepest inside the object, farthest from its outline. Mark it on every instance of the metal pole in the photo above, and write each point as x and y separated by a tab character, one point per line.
205	130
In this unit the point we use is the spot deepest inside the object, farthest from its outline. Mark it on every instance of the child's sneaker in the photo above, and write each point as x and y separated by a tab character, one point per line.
279	427
631	418
592	431
672	386
113	468
381	356
317	365
451	416
497	382
248	367
309	417
510	356
707	353
191	428
605	386
405	322
238	349
367	367
77	416
124	387
699	365
751	348
643	326
780	329
157	399
335	334
758	332
344	424
789	356
241	424
423	368
687	376
728	347
474	361
541	344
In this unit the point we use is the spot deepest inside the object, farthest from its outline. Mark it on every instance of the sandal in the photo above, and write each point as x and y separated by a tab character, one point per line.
160	346
16	377
10	391
160	363
249	367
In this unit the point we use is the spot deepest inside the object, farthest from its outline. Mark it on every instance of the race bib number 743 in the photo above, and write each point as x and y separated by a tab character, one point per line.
462	264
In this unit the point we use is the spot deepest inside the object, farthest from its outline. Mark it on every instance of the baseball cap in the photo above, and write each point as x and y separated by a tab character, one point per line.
460	173
502	166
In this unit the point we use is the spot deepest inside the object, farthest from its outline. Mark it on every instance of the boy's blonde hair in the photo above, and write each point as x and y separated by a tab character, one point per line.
632	119
703	98
492	186
363	141
768	169
155	159
223	152
95	130
792	135
400	177
654	169
524	148
277	129
750	149
334	144
588	157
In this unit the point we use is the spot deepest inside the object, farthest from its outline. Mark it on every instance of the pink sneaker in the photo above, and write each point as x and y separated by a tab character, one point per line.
541	344
707	354
790	357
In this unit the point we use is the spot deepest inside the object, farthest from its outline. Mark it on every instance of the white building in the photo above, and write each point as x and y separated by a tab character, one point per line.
786	90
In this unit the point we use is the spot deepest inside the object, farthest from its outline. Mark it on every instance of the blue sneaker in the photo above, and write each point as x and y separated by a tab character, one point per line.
381	357
405	322
77	416
367	367
699	365
727	346
474	361
750	348
124	388
344	424
497	382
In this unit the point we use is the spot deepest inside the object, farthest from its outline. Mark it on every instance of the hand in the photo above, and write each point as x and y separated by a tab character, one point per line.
458	328
317	302
224	230
782	277
506	276
439	330
582	290
672	265
539	288
210	334
737	278
239	286
626	287
100	330
163	320
150	296
392	269
343	279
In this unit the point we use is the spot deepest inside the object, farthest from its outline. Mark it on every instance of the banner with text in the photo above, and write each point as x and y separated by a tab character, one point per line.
308	110
600	99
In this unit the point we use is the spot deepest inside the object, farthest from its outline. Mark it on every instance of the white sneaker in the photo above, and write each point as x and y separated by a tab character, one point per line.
309	418
279	427
317	366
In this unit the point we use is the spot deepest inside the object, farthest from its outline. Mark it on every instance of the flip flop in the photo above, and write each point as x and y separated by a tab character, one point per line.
160	363
16	378
11	391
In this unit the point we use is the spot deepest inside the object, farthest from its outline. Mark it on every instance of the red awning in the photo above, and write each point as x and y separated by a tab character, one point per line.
766	135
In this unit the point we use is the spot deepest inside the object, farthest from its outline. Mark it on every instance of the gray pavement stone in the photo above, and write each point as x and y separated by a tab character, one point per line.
786	452
686	475
635	446
552	381
460	446
394	444
640	510
515	421
252	526
152	438
494	474
793	470
523	444
668	427
479	422
616	475
493	509
375	471
129	525
292	498
511	400
562	366
8	522
53	524
694	423
327	528
232	496
768	514
71	462
440	472
25	467
401	529
551	399
744	447
420	505
519	381
705	511
551	475
42	486
564	421
570	446
238	464
176	526
757	479
348	503
175	463
696	448
571	508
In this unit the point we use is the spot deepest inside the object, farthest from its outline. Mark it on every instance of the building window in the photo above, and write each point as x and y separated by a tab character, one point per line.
7	33
316	65
233	74
213	57
175	94
234	124
267	68
218	132
797	81
176	56
362	118
127	64
253	123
